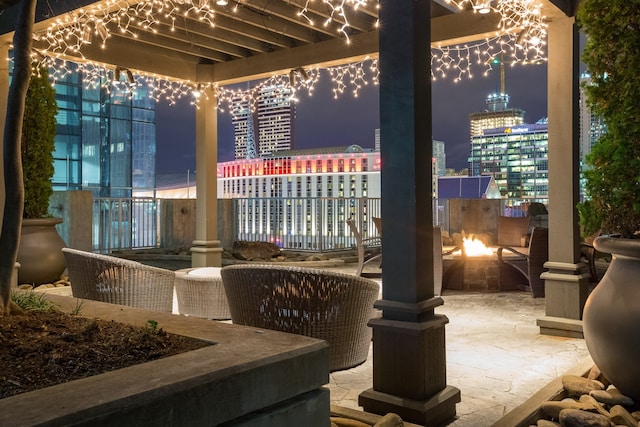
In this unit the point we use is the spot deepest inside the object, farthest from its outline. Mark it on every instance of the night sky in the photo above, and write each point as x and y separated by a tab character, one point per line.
322	121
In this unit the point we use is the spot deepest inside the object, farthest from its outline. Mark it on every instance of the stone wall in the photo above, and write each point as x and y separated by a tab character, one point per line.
475	216
76	210
178	223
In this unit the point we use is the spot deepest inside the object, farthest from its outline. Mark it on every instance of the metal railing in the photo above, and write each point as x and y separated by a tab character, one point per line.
315	224
125	223
304	224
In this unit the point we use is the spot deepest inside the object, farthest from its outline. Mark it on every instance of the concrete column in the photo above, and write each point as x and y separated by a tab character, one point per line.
566	282
206	249
409	371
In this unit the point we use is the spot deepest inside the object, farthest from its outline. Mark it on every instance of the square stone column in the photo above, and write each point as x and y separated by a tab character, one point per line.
206	250
409	366
566	282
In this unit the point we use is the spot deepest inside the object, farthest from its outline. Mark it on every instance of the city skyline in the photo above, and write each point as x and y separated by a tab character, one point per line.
322	121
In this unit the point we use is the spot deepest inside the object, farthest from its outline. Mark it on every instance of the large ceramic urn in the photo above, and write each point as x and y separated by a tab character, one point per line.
611	317
40	252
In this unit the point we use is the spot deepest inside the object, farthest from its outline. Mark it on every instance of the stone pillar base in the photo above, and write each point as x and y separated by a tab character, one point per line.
431	412
560	327
206	253
409	372
566	290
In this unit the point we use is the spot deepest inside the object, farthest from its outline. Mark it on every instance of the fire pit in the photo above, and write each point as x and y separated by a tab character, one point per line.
476	268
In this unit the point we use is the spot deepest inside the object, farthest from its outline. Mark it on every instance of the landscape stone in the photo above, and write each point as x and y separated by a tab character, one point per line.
553	408
390	420
611	396
620	415
578	418
547	423
347	422
585	398
577	386
255	251
596	374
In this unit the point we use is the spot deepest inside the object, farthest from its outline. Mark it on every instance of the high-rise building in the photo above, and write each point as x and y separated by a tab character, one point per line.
497	114
440	157
276	114
438	154
516	157
270	123
242	119
591	128
106	139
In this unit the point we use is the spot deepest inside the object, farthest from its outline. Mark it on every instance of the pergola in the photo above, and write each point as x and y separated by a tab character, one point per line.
255	39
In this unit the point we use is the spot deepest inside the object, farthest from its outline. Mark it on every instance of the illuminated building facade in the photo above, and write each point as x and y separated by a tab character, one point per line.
591	128
516	157
271	124
105	139
498	114
304	196
440	158
304	173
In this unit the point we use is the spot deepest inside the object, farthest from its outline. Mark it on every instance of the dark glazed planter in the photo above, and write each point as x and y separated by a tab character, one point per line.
40	252
612	314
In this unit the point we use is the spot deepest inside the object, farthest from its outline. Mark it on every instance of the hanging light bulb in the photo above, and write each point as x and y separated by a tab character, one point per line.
222	2
198	91
483	7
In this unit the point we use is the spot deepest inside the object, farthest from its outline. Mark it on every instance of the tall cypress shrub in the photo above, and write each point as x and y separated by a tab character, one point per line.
38	144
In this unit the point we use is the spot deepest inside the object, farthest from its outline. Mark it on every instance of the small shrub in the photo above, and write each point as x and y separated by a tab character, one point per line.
33	301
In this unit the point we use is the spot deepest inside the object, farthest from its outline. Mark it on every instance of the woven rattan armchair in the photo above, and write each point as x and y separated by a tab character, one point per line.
513	231
119	281
369	249
331	306
535	259
200	293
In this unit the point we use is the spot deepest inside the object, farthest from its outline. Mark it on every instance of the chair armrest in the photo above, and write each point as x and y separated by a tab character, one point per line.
450	251
519	254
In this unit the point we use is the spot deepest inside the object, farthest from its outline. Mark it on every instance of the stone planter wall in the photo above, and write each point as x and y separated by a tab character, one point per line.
250	377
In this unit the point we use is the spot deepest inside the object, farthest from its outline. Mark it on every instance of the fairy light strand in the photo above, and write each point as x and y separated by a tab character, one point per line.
520	38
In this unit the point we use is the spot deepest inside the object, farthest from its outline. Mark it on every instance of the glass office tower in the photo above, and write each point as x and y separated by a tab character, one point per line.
106	137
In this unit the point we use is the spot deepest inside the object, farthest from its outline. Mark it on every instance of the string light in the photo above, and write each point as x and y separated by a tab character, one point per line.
520	38
456	61
459	61
338	9
521	20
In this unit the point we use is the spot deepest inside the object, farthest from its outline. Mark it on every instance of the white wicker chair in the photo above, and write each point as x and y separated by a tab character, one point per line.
200	293
331	306
119	281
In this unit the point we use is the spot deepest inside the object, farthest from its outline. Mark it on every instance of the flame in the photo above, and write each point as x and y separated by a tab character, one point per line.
475	247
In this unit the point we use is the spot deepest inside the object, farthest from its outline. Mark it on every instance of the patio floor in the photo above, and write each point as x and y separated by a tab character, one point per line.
495	354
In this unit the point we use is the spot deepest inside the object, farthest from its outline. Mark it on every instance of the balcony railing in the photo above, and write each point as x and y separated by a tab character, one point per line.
124	223
302	224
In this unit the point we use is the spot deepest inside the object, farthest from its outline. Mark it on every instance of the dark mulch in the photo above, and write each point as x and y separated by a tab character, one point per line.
41	349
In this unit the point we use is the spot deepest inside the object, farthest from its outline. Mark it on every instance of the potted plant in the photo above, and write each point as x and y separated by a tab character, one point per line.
39	255
612	312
